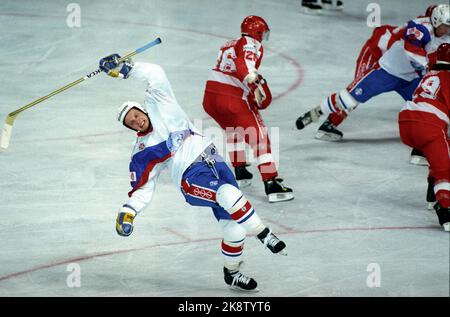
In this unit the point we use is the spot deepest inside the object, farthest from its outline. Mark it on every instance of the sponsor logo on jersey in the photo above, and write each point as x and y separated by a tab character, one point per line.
141	146
213	183
415	32
176	139
358	91
133	176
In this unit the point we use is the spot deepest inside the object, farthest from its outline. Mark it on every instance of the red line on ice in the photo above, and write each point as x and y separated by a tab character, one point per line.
98	255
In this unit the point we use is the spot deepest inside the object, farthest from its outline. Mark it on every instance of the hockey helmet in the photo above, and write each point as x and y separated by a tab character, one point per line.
440	15
255	27
125	108
443	54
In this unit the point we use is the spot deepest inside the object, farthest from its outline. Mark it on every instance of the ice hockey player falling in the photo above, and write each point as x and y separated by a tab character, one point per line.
166	138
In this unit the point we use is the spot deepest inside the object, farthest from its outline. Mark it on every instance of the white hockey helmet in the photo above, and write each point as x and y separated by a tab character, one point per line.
125	108
440	15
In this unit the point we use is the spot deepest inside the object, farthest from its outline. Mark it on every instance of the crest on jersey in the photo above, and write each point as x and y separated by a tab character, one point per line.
176	139
415	32
133	176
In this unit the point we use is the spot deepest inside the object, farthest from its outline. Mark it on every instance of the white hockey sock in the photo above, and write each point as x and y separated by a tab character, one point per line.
336	102
232	244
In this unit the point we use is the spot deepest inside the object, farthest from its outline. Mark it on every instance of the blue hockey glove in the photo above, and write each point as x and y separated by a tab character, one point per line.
124	221
110	65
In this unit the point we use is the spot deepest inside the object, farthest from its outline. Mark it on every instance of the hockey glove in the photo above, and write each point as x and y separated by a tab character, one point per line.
251	77
261	91
110	65
124	221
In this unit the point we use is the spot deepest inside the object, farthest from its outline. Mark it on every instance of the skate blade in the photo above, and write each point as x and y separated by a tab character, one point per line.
283	252
309	11
325	136
238	289
418	160
277	197
330	7
244	183
446	226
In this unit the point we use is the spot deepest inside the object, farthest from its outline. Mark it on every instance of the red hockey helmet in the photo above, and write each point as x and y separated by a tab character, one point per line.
443	54
255	27
430	10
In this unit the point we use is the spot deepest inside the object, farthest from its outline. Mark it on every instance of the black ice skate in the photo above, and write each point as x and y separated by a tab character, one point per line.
308	118
418	158
239	281
243	176
276	191
431	197
272	242
328	132
333	5
443	216
311	7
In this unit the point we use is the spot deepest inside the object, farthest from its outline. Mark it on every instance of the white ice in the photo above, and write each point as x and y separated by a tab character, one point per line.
65	174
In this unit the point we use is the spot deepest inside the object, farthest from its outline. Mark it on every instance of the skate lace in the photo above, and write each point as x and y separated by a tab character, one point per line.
270	240
240	278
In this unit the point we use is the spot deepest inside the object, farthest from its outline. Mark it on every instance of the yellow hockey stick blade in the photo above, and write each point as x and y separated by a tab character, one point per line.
7	130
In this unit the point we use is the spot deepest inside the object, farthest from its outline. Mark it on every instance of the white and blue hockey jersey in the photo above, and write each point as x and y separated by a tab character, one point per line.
172	142
416	41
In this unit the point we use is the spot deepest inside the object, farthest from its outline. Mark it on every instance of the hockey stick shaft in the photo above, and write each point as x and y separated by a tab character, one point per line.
10	119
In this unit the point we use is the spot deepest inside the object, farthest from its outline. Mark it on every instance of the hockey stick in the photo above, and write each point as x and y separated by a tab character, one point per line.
308	117
11	118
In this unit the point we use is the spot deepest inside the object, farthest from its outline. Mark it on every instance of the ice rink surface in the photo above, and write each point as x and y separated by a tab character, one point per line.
359	218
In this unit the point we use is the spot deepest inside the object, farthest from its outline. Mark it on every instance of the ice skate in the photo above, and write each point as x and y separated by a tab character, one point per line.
239	281
276	191
328	132
311	7
443	216
431	197
243	176
418	158
272	242
332	5
308	118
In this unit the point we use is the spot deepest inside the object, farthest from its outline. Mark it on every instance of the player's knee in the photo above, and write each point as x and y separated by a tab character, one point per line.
227	195
232	231
346	101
